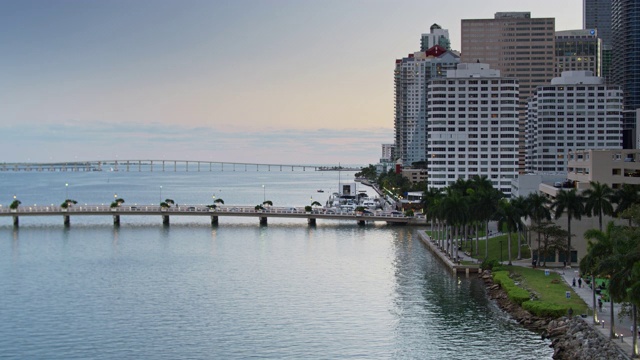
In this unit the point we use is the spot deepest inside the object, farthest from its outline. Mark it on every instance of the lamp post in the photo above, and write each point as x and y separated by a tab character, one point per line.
264	194
66	191
160	194
500	252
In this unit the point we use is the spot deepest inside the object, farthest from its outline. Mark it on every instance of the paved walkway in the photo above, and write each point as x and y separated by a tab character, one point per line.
621	325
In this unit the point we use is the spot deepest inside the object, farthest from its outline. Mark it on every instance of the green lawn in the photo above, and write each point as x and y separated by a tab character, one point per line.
550	289
494	248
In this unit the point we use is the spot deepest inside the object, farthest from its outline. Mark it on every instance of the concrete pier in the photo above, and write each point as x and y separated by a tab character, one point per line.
455	267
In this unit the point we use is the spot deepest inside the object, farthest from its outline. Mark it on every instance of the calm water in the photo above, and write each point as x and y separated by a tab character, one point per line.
236	291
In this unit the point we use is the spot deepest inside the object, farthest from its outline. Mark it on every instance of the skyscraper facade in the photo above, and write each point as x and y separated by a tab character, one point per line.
578	50
519	46
576	111
473	127
411	75
625	62
596	14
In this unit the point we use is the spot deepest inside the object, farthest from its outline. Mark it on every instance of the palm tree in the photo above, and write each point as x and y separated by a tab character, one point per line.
455	213
14	204
538	210
267	202
625	197
315	203
616	263
519	205
429	199
218	201
598	201
599	246
571	203
485	207
507	216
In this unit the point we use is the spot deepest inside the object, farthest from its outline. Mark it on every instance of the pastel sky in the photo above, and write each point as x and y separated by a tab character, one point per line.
279	81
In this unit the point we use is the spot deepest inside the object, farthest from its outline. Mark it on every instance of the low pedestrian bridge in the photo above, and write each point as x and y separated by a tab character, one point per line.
199	210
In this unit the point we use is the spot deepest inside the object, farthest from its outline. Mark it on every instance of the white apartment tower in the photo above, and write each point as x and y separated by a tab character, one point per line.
577	111
411	76
436	36
473	127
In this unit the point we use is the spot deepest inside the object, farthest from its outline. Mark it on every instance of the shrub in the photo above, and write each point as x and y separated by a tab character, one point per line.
492	264
308	208
409	213
542	309
515	293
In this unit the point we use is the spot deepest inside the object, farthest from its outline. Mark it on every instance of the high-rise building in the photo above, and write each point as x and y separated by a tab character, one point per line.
625	63
578	50
387	152
437	36
473	127
517	45
411	75
596	14
577	111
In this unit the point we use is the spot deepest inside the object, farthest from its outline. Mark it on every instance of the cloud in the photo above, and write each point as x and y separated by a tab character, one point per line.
75	140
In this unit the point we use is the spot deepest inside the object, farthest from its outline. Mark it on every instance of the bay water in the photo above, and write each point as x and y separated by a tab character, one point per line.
235	291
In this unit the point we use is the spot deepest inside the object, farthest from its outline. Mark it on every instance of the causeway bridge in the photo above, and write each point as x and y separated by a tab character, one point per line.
203	211
164	165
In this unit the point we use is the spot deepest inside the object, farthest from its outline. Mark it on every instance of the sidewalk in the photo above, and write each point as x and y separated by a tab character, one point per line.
622	325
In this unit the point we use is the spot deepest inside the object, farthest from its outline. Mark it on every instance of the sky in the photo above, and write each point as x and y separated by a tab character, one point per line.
260	81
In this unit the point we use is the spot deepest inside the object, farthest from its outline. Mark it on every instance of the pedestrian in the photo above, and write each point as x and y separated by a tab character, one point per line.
574	282
600	303
579	282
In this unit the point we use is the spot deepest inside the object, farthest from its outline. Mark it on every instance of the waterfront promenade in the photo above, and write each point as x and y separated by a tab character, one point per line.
463	264
622	324
202	210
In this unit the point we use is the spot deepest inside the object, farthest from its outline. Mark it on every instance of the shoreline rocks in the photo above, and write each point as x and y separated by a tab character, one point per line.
571	338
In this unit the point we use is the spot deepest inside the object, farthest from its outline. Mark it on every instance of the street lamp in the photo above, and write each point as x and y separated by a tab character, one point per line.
264	194
500	251
66	191
160	194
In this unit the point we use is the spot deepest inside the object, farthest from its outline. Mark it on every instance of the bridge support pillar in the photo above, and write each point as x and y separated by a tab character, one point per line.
67	220
165	219
214	221
263	220
116	220
16	220
312	221
466	272
361	222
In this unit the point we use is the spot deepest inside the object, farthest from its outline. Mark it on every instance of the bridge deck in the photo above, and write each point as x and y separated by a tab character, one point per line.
200	210
164	165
